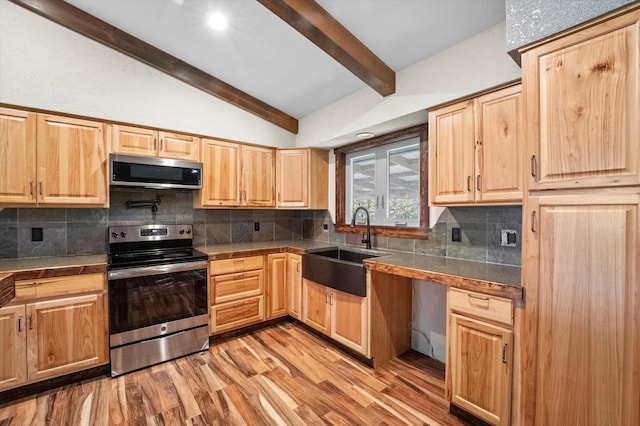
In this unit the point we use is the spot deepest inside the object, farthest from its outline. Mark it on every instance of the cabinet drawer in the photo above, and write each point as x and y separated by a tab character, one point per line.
236	314
481	305
229	266
236	286
59	286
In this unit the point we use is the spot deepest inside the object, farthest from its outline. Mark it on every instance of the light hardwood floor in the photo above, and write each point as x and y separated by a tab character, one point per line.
278	375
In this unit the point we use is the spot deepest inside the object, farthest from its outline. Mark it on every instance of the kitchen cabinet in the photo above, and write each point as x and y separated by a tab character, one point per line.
236	293
13	359
236	175
480	355
17	156
582	340
581	226
337	314
53	327
302	178
145	142
475	150
583	104
294	281
277	301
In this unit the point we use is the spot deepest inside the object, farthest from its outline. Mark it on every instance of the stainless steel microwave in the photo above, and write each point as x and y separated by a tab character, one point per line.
150	172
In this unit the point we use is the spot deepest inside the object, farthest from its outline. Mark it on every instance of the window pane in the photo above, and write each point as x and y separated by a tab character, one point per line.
404	184
364	185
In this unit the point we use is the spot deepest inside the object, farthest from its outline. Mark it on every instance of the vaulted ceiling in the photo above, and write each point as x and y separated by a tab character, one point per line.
279	59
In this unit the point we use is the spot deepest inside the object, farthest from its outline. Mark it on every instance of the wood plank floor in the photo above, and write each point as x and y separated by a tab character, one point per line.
280	375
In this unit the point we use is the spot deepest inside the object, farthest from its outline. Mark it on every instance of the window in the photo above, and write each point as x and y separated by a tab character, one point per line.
386	181
387	176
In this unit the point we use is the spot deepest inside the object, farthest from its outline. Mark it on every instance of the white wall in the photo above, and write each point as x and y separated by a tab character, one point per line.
475	64
46	66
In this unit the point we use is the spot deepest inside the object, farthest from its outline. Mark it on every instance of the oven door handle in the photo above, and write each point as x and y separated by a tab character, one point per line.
118	274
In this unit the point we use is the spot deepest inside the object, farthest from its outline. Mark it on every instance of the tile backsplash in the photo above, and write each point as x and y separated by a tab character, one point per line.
80	231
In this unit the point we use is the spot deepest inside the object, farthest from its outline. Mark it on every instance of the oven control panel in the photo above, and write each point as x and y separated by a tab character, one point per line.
134	233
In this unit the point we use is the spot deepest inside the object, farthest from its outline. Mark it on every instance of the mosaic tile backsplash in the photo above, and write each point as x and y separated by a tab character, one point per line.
68	232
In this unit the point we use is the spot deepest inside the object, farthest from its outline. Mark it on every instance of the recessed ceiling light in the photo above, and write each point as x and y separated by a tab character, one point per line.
218	21
364	135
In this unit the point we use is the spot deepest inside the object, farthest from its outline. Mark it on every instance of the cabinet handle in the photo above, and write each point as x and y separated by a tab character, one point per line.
279	198
326	297
31	187
238	277
533	221
382	201
244	193
478	183
468	183
477	300
534	166
40	186
377	201
20	324
155	144
298	267
161	141
30	322
331	297
504	353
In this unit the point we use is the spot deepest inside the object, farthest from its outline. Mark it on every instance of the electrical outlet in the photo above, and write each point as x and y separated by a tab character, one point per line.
508	238
456	234
37	234
256	226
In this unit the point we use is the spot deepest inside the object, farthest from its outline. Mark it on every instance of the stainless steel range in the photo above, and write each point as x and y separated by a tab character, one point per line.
157	295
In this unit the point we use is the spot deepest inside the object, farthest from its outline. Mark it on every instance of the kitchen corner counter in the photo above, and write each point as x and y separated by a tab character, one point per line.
46	267
487	278
227	251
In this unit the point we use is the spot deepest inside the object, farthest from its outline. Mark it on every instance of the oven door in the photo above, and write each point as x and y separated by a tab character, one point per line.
152	301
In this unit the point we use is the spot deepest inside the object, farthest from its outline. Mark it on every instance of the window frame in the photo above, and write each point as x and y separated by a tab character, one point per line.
419	232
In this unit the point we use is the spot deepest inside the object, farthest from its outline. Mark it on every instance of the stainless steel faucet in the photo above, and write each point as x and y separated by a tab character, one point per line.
366	240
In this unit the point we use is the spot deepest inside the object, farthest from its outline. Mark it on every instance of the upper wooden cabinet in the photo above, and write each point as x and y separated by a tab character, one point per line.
17	156
52	160
72	161
475	150
152	143
583	104
302	178
236	175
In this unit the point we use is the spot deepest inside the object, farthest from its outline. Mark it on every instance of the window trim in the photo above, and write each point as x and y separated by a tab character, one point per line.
389	231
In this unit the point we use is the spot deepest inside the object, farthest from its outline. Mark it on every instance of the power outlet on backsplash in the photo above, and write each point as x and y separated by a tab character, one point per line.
456	234
508	238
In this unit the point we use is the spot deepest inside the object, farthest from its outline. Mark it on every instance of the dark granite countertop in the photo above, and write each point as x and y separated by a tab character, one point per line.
45	267
497	280
226	251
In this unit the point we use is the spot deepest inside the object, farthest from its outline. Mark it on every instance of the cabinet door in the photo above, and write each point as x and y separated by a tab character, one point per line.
315	306
480	363
17	156
179	147
294	283
277	288
71	161
221	174
581	348
349	320
258	176
451	154
583	103
499	146
292	180
13	356
66	335
134	141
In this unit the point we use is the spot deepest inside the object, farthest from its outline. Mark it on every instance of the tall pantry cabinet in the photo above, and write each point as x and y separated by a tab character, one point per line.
581	226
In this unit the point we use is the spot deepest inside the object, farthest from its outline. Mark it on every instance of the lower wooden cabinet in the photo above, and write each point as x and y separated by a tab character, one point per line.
479	355
294	281
236	293
339	315
57	332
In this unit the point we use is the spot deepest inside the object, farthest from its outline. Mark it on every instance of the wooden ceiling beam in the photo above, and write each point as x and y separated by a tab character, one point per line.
83	23
316	24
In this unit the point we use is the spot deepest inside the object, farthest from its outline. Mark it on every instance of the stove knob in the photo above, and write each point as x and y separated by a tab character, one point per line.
114	235
181	231
123	234
188	231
